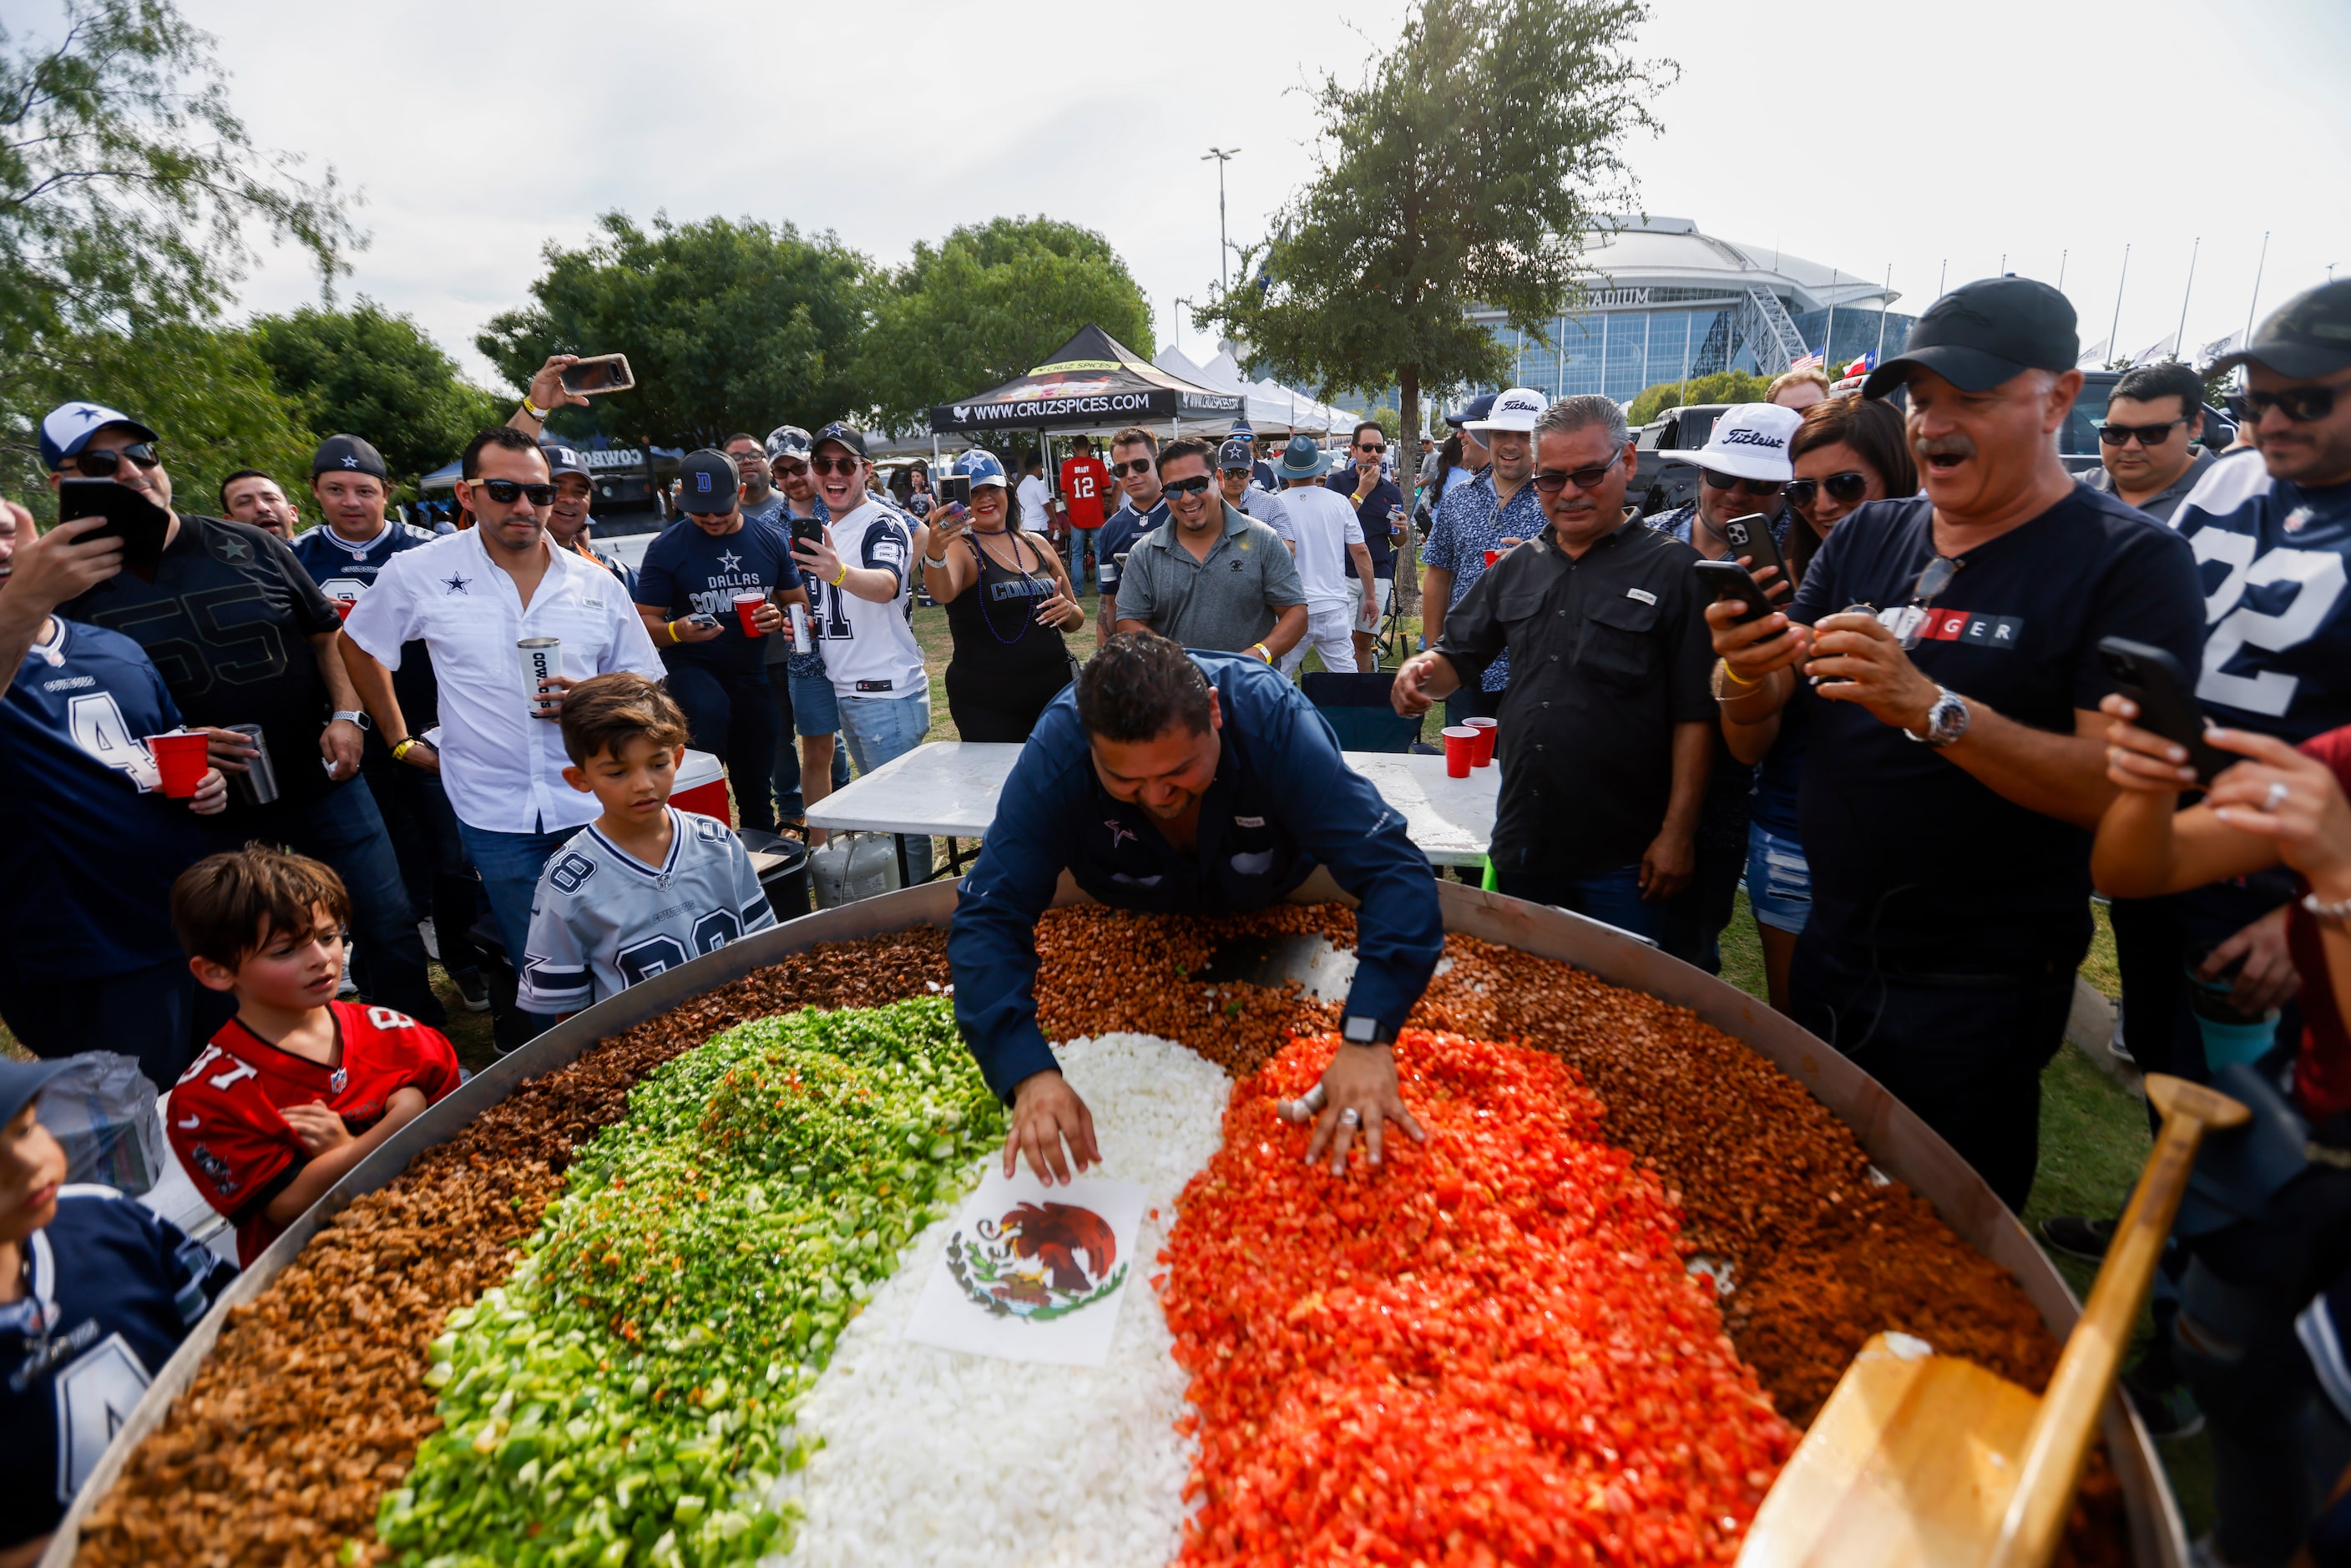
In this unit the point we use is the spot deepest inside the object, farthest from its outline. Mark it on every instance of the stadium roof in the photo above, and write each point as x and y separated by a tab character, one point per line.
1671	252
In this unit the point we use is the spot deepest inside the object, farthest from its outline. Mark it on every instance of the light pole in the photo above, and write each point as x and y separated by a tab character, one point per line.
1223	155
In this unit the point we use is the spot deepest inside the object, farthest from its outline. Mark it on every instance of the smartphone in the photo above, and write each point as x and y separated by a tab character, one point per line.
1728	580
604	373
705	622
955	490
130	516
1751	536
2167	703
807	532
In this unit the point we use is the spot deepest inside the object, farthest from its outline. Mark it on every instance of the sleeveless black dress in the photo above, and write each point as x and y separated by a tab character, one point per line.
1006	667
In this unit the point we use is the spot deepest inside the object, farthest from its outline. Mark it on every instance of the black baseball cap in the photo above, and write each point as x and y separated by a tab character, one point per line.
2307	337
347	454
708	483
562	458
840	432
1983	333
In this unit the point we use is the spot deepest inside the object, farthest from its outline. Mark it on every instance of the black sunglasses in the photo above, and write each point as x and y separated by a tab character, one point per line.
1761	489
1844	489
836	464
1195	486
2300	404
1372	450
1932	582
503	491
100	464
1133	466
2149	434
1551	483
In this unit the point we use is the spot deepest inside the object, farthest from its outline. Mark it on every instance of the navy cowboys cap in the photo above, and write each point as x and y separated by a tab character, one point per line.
842	433
1236	453
707	483
1983	333
67	429
1476	408
2309	336
347	454
563	459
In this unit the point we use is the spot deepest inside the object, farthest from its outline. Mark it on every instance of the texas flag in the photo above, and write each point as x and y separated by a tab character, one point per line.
1862	366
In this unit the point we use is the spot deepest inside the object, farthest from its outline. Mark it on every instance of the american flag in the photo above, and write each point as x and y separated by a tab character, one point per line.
1809	362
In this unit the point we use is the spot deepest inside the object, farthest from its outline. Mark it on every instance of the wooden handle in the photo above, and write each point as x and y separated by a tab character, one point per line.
2060	1433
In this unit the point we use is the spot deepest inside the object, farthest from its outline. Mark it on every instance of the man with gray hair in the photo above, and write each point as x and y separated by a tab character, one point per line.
1606	721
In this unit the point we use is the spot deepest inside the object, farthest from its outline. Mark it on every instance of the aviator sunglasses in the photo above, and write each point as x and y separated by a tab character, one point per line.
1133	466
99	463
1551	483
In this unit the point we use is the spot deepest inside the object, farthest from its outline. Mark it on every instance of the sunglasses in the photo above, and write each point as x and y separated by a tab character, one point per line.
2300	404
1372	451
503	491
707	516
1551	483
2149	434
1932	584
1761	489
1844	489
1195	486
836	464
100	464
1133	465
790	467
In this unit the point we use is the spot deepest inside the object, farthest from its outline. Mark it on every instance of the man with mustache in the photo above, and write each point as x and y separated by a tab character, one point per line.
1960	756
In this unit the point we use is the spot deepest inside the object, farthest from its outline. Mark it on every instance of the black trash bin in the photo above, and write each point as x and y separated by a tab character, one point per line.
783	866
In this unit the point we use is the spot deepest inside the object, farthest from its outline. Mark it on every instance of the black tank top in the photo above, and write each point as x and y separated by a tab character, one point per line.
1003	657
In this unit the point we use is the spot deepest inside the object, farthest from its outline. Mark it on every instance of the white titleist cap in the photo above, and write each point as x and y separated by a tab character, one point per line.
1517	409
1750	441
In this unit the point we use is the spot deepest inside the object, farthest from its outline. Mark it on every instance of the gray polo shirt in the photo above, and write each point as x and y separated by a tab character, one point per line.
2161	504
1224	604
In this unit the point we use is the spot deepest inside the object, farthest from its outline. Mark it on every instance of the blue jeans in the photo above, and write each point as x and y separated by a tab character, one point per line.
1081	550
1613	897
511	864
423	829
344	829
882	729
731	718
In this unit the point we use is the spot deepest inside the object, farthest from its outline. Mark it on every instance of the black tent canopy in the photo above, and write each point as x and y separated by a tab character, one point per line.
1090	382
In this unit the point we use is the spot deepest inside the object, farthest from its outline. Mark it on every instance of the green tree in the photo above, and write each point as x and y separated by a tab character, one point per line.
727	327
987	304
1722	386
378	375
1391	424
1466	170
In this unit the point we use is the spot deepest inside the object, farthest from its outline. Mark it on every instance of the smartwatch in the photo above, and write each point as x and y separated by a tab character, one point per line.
1358	1029
359	718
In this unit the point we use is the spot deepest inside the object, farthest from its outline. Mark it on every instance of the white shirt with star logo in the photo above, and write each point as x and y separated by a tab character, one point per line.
503	769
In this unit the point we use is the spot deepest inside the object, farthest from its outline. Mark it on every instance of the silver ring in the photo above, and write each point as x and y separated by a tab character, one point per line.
1315	1098
2276	797
1351	1117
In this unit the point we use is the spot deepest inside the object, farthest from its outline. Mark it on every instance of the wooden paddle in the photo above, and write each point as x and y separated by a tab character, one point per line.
1927	1460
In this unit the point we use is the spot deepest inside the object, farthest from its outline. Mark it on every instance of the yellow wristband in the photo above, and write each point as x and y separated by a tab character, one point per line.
671	627
535	412
1262	652
1732	676
843	578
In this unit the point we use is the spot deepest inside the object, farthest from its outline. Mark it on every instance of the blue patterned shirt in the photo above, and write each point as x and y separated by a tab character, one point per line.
1468	524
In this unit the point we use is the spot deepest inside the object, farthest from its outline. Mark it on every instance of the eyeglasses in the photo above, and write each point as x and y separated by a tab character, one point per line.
503	491
1844	489
1133	465
1551	483
2300	404
1761	489
2149	434
99	463
1932	582
836	464
1197	484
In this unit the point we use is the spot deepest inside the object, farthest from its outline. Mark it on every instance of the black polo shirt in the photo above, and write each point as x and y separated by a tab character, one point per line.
1608	654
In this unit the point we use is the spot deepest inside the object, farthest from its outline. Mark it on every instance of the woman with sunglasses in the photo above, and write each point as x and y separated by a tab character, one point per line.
1846	451
1008	601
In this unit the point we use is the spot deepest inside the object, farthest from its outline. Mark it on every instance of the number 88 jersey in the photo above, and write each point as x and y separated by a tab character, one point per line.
2274	559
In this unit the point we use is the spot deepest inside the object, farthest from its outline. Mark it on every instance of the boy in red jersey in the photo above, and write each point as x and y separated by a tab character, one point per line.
298	1087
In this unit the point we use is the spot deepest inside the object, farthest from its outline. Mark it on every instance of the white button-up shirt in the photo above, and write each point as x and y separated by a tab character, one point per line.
503	769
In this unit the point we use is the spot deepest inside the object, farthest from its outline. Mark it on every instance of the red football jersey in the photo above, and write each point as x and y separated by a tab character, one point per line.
1085	481
223	1119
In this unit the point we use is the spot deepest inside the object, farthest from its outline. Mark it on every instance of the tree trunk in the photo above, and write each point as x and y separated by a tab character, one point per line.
1408	571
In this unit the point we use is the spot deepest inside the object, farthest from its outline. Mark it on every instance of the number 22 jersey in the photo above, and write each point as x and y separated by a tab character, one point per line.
605	920
2272	557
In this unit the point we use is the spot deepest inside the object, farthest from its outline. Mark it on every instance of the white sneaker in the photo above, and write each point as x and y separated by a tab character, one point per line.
432	938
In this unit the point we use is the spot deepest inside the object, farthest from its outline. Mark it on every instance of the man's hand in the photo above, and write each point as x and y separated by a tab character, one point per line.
551	691
2268	979
424	755
52	568
211	797
340	743
1362	1080
766	617
1668	864
686	630
230	750
316	1128
1046	1115
1866	665
1411	694
819	559
547	387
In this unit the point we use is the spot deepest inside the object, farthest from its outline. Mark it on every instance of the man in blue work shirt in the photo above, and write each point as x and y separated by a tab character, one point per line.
1185	783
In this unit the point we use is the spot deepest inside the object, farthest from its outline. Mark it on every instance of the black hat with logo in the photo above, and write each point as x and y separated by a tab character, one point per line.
347	454
1983	333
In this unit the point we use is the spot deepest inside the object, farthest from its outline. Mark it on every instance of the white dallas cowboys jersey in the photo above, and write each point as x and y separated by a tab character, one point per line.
604	920
870	649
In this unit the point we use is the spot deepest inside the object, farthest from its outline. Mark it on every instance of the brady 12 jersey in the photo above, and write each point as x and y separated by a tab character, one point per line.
605	920
223	1119
1085	484
870	649
111	1291
2272	557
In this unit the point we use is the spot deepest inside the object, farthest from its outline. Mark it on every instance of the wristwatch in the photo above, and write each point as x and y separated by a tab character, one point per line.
2334	916
1361	1030
1946	721
357	717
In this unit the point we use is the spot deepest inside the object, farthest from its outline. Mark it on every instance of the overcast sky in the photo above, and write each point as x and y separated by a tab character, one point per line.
1961	132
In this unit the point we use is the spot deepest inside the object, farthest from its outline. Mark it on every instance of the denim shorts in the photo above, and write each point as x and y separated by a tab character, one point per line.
882	729
1778	880
815	709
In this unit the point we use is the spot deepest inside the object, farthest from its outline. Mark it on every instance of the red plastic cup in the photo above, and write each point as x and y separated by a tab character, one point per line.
343	607
745	606
1492	556
180	758
1485	729
1460	750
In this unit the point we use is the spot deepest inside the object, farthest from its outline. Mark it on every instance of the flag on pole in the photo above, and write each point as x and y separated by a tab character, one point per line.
1862	366
1809	362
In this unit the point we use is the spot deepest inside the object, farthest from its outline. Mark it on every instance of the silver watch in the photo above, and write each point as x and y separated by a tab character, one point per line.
1946	721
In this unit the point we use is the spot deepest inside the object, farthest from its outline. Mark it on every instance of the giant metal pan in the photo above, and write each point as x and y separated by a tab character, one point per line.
1901	1144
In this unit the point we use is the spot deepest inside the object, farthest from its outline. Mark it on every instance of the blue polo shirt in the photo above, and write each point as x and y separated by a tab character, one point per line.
1283	801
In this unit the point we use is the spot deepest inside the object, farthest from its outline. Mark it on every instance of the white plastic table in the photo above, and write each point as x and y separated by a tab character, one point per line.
949	789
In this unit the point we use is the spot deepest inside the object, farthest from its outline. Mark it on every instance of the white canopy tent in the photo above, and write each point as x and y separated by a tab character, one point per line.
1272	408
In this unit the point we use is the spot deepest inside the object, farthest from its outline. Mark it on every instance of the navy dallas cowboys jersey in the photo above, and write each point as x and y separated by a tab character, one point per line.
95	844
345	573
112	1291
2272	557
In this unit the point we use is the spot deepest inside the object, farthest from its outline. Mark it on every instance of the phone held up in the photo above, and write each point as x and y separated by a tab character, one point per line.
604	373
2153	679
1751	536
955	490
131	517
1728	580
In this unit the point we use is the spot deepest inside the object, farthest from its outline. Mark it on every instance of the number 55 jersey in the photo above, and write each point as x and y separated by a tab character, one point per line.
2271	556
605	920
